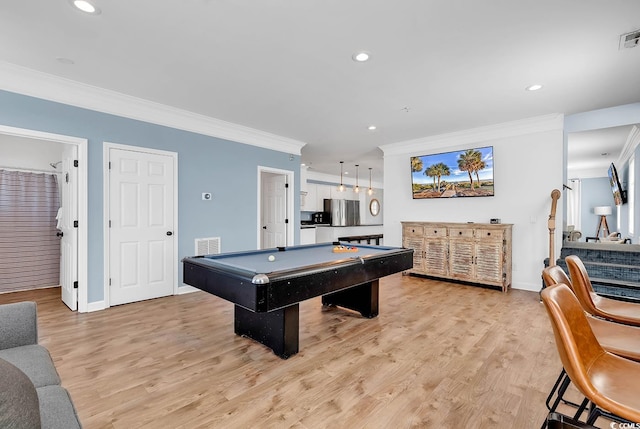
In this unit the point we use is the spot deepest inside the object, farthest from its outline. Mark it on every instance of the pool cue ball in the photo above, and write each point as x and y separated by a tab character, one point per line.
271	258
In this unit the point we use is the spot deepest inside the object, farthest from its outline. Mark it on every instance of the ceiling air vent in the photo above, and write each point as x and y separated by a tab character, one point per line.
630	40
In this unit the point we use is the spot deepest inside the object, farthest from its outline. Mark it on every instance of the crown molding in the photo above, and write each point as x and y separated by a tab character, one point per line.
33	83
633	140
478	135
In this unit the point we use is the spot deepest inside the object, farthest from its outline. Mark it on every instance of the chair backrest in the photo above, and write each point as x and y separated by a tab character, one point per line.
554	275
581	284
576	343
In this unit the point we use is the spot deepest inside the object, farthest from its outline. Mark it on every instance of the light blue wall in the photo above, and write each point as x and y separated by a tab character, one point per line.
595	192
205	164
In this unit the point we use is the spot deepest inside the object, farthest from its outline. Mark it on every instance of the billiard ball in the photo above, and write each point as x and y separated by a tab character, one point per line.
271	258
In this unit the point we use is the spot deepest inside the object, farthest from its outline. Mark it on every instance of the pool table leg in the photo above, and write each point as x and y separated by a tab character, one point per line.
362	298
277	329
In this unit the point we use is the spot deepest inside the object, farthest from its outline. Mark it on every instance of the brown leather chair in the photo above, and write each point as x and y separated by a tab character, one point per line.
608	381
619	339
623	340
596	305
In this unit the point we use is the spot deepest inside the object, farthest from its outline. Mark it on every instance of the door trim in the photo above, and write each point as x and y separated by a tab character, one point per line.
290	206
105	194
82	144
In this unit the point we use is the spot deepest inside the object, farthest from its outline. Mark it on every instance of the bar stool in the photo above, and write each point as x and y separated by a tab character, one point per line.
619	339
596	305
605	379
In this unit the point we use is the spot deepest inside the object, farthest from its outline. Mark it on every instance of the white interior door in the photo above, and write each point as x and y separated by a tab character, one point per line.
274	210
141	235
69	232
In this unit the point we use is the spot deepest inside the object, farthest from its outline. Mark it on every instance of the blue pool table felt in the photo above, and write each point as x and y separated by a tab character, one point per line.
257	261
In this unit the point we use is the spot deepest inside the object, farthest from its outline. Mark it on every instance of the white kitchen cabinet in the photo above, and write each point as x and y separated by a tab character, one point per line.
307	236
311	204
323	192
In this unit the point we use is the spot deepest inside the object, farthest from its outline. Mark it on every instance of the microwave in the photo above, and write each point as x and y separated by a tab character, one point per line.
321	217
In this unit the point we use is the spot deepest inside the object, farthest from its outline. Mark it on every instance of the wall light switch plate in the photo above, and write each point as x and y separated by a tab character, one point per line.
206	196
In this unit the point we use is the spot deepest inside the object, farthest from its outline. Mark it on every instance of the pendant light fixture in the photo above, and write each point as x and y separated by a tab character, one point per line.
357	188
370	191
341	187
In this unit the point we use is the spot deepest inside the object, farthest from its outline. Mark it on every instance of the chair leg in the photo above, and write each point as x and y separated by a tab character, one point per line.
564	385
581	409
596	412
554	388
559	387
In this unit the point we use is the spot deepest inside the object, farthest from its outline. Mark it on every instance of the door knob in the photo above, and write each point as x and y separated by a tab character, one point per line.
264	227
169	233
59	233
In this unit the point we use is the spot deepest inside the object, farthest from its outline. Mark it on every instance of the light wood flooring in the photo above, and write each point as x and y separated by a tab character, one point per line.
439	355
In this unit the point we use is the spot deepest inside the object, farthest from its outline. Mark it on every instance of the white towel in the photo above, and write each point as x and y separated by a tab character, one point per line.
59	218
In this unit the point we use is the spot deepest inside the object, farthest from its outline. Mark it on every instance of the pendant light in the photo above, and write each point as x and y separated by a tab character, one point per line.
370	191
357	188
341	187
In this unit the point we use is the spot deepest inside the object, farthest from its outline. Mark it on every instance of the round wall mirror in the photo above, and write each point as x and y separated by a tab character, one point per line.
374	207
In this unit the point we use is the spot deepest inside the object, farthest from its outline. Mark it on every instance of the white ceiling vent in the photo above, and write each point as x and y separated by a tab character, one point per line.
207	246
630	40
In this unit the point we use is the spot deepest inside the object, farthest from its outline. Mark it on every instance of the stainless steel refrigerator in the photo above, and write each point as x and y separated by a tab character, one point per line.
343	212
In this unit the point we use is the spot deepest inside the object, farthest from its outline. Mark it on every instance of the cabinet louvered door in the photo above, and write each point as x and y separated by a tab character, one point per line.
436	250
489	263
412	238
436	261
461	265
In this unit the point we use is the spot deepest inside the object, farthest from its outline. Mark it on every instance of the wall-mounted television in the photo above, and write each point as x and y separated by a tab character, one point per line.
619	196
462	173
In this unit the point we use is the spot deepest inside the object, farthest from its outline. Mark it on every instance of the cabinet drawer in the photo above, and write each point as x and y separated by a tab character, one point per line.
489	234
461	233
413	230
435	231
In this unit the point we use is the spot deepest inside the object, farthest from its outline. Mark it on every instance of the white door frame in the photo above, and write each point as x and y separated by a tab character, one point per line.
82	144
105	194
290	206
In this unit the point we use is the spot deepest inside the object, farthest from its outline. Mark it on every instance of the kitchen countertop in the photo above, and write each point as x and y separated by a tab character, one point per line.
337	226
350	226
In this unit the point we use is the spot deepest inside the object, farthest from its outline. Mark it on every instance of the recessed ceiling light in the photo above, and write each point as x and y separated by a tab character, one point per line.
534	87
372	127
86	6
361	56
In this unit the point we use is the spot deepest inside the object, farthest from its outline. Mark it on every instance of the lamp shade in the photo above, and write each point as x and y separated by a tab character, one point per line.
602	210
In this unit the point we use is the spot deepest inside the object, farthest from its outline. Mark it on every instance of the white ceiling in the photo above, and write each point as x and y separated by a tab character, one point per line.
591	152
285	67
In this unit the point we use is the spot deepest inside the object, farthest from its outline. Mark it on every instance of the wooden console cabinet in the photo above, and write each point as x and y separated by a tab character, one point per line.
471	252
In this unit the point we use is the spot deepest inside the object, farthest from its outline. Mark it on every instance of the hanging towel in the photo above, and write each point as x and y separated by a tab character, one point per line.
59	219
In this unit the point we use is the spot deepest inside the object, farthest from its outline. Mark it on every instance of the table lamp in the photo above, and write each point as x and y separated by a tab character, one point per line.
603	212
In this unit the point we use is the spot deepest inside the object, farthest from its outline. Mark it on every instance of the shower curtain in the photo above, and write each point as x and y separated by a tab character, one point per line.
29	247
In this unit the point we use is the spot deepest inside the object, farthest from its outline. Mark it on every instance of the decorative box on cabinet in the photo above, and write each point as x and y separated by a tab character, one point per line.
470	252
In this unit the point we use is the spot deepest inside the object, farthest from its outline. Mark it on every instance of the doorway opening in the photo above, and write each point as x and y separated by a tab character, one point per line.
275	208
73	267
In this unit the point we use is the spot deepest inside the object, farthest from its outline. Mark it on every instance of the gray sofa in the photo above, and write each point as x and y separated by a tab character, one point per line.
30	392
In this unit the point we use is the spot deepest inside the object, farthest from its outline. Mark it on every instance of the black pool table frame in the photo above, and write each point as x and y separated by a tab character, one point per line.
267	305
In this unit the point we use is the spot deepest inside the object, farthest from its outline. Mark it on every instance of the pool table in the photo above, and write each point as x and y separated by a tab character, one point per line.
267	293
